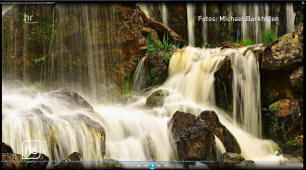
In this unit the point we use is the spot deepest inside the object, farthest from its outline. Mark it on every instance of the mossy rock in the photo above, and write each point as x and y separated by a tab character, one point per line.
157	98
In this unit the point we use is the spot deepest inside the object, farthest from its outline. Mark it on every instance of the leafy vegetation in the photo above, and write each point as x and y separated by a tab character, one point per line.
155	46
39	60
246	41
127	86
268	36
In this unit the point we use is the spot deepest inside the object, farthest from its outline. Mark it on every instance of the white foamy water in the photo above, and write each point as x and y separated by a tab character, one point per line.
133	131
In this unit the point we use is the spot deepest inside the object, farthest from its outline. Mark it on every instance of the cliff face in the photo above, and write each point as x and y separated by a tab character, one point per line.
94	48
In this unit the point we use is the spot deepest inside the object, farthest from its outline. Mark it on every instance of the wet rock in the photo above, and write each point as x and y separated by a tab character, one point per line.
214	125
157	66
191	138
112	164
72	98
12	161
286	52
287	119
95	128
228	160
6	148
296	79
38	161
67	163
285	107
230	45
157	98
223	85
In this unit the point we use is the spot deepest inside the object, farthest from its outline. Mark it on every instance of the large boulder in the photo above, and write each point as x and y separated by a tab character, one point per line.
17	161
288	118
71	162
286	126
37	161
73	98
12	161
191	138
232	160
226	137
6	148
157	98
95	128
286	52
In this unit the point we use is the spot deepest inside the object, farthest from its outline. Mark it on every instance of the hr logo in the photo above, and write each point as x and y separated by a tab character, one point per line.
31	147
28	19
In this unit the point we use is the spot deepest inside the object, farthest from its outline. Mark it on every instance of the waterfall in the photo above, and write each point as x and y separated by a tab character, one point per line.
133	132
191	80
164	14
246	81
246	92
267	13
190	23
244	25
139	75
204	25
144	7
257	24
6	8
290	15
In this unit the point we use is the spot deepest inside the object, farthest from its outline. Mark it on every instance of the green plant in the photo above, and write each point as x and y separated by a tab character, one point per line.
39	59
127	87
154	45
167	57
268	36
246	41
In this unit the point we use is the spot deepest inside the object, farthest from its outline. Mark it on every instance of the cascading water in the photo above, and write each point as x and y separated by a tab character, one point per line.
204	25
134	132
267	13
6	8
190	23
244	25
139	75
164	14
257	24
290	15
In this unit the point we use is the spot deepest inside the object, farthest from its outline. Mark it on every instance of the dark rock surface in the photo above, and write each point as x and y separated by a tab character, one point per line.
6	148
212	122
38	161
223	85
191	138
157	98
67	163
72	98
157	68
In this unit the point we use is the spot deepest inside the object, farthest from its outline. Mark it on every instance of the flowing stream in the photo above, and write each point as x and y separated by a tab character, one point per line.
135	132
